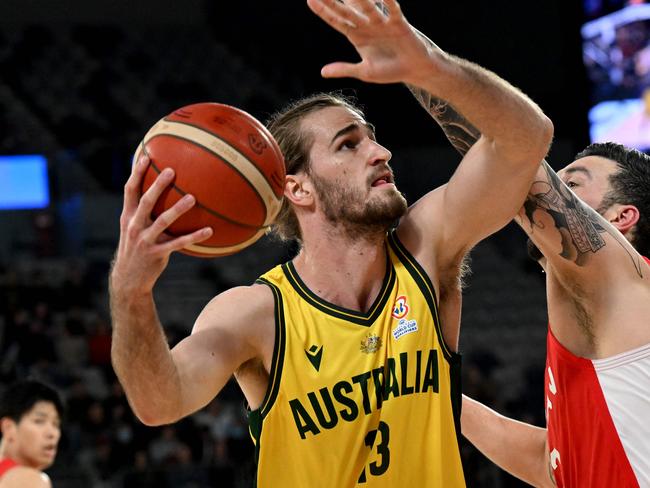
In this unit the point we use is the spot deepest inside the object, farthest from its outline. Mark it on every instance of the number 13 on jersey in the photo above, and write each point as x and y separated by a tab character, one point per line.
379	438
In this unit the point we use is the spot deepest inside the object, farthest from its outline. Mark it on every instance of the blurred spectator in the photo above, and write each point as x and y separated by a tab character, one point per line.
99	344
164	449
71	346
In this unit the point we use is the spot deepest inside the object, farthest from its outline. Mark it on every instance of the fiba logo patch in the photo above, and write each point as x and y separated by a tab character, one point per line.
400	311
371	344
400	308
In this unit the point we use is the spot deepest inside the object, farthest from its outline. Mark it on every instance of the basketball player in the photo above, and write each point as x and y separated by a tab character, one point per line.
30	419
589	227
346	354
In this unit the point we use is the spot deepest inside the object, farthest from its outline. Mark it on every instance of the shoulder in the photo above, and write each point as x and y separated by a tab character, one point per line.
244	307
249	300
422	222
24	477
422	232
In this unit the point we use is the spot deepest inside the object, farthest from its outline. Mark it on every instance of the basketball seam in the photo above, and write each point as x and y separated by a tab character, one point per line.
249	171
198	203
270	183
219	250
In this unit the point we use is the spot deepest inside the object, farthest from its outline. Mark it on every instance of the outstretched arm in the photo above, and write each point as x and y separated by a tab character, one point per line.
580	231
574	238
514	133
516	447
460	132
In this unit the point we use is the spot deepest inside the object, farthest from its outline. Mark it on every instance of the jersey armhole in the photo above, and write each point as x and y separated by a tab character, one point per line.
423	281
278	350
421	278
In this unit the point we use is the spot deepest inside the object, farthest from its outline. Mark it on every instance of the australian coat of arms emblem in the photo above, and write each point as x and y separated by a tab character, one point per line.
371	343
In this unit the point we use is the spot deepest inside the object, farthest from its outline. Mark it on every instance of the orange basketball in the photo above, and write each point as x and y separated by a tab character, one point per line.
229	161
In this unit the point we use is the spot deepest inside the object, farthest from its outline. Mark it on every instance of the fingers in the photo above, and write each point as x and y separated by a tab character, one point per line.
345	16
168	217
136	216
341	70
151	196
372	10
179	243
337	15
388	8
133	186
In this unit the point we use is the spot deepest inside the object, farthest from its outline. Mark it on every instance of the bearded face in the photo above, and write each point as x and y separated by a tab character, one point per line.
350	207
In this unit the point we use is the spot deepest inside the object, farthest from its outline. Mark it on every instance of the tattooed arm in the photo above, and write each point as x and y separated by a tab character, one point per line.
580	228
494	435
569	233
460	132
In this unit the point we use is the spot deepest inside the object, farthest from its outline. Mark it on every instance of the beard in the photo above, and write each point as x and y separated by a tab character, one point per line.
345	207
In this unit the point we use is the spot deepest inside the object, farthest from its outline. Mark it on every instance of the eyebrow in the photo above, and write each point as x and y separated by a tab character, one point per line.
579	169
352	128
38	413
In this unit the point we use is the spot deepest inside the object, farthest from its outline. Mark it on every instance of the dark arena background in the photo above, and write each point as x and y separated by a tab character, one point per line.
80	84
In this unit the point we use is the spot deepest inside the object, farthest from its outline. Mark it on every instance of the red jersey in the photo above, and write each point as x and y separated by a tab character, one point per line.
597	414
6	465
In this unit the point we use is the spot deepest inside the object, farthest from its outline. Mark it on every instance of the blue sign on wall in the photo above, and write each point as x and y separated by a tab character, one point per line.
23	182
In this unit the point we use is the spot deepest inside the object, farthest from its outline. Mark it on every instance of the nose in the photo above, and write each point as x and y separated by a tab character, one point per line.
379	154
54	432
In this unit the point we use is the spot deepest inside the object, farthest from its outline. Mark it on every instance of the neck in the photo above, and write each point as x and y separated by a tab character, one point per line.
3	452
8	453
346	272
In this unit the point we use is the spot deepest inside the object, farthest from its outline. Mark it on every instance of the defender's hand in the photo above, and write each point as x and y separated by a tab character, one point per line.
391	50
144	248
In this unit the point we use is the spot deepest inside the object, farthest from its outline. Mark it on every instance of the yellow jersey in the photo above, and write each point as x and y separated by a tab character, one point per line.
359	399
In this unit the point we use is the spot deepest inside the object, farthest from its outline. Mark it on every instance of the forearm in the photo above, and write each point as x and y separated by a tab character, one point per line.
456	99
514	446
142	360
460	132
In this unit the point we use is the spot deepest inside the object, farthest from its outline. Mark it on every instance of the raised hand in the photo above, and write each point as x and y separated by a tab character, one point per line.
391	50
144	248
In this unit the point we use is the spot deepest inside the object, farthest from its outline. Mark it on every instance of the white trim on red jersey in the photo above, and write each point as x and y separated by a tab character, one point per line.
625	381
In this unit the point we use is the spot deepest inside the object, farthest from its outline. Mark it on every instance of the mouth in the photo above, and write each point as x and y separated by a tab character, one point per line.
383	179
50	450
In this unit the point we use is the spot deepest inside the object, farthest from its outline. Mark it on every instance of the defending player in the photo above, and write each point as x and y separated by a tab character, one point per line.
589	227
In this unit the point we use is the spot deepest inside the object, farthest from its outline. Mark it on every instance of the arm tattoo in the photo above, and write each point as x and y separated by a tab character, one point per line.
458	130
579	225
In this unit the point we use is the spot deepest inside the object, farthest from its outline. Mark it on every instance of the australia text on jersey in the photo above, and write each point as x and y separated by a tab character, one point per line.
405	376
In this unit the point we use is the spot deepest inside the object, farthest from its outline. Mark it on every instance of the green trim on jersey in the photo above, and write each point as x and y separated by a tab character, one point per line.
377	399
359	318
278	349
424	283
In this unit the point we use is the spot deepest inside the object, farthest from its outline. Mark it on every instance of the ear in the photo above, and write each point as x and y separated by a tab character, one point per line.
7	427
623	217
299	190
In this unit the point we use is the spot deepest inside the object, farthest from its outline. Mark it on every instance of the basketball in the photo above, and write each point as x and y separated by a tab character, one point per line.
229	161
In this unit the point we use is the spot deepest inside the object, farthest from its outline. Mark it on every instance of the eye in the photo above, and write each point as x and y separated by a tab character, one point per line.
348	144
571	184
